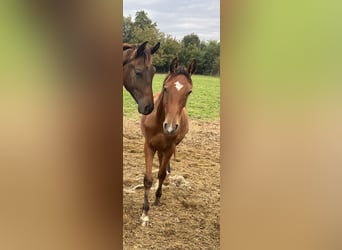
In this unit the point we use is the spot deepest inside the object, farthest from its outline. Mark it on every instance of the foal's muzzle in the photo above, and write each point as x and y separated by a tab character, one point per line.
170	128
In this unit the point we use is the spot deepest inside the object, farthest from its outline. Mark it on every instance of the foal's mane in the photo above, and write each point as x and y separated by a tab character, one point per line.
180	70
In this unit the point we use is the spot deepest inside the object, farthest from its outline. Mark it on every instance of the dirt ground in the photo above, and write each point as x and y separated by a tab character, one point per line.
189	214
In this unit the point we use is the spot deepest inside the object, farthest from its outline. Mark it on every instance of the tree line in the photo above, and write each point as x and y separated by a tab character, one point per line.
190	47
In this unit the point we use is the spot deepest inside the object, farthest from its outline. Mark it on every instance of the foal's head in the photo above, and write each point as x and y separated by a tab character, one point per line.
138	73
176	89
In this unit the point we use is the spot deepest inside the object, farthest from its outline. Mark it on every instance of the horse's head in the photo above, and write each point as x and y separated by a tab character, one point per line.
176	89
138	72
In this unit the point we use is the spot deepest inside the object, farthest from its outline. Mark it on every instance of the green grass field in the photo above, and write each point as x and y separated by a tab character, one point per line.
203	103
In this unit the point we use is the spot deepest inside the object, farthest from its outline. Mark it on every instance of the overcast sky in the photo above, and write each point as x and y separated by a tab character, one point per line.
180	17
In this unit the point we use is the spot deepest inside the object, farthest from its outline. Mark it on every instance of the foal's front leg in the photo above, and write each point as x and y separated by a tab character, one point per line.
148	180
164	163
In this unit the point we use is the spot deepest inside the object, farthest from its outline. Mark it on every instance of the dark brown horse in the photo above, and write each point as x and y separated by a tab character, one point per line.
166	126
138	72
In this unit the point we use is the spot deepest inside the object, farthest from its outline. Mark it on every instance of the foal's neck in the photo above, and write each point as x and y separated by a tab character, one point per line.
159	106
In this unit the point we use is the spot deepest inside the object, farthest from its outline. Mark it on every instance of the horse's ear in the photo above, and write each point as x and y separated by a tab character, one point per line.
155	48
192	67
174	65
141	48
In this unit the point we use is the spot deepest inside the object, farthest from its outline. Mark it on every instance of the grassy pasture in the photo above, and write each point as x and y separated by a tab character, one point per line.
203	103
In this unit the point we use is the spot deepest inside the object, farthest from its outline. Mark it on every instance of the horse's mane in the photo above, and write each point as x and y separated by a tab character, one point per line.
129	46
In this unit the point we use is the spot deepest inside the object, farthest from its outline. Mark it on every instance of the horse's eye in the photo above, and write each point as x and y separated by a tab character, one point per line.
165	89
189	93
138	74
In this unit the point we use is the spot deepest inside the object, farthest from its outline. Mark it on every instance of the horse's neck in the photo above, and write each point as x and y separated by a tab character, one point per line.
124	78
125	58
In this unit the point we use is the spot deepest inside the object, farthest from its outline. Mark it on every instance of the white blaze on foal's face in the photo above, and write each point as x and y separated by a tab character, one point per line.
178	85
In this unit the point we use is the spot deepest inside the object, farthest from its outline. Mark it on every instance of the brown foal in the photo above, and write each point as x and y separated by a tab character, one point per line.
165	127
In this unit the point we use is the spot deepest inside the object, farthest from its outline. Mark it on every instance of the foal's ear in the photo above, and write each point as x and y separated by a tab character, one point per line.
192	67
155	48
141	48
174	65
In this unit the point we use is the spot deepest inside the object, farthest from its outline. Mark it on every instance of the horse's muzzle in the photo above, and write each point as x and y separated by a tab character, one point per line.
146	109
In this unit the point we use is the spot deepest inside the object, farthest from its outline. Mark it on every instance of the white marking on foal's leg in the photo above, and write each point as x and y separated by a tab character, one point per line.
168	168
144	219
178	85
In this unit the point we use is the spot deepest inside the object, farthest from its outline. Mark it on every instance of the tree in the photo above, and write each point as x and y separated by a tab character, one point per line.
191	40
127	29
142	29
190	47
210	59
170	49
142	21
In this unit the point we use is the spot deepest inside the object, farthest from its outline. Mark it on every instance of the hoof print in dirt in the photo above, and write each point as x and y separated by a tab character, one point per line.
178	180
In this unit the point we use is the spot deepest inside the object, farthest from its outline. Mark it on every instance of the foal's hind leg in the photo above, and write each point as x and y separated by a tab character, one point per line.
168	168
160	176
164	161
148	180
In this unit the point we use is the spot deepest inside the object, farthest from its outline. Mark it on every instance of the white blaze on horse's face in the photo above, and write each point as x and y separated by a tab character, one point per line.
178	85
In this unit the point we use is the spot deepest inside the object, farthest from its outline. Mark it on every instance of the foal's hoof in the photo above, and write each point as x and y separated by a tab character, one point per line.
156	203
144	220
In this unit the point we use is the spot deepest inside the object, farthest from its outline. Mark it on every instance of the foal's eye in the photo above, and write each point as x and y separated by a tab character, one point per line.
187	94
138	74
165	89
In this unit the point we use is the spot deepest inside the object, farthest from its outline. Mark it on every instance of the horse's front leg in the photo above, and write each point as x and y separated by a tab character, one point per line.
148	180
164	165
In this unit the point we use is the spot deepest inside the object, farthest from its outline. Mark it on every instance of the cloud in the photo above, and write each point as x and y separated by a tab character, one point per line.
180	17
